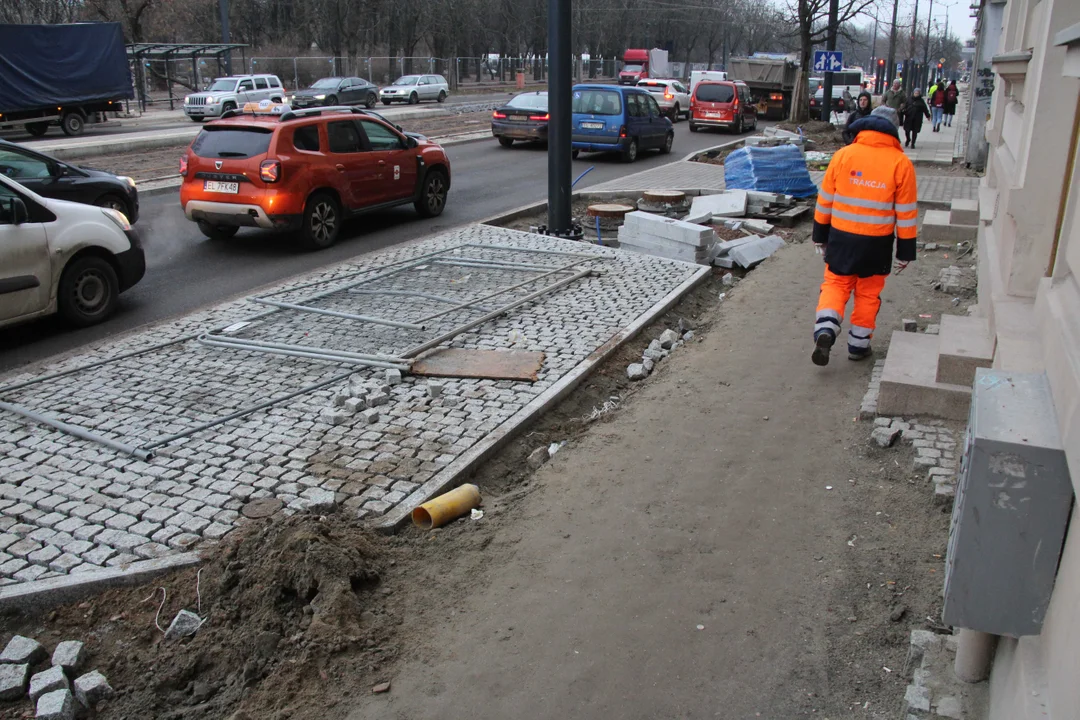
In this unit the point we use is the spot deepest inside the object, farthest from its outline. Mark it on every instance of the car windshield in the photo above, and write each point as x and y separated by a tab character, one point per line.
597	102
715	93
222	85
407	80
631	68
391	123
325	84
531	101
227	141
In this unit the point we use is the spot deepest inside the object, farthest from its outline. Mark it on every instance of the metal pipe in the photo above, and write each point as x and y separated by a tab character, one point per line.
411	293
77	431
497	246
160	442
306	355
435	342
493	263
303	348
490	266
335	313
531	280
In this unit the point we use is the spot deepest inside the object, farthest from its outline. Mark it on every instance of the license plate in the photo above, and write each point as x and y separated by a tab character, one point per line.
221	187
716	114
518	118
592	125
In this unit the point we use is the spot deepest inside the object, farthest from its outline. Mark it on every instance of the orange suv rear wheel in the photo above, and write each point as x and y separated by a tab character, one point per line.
322	221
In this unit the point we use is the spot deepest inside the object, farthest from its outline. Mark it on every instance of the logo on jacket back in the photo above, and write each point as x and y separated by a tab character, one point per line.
857	179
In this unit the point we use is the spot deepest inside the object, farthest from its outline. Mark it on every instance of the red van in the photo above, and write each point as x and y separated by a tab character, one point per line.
722	104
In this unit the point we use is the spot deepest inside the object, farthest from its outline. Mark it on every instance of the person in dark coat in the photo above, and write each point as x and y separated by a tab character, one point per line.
914	113
952	96
863	107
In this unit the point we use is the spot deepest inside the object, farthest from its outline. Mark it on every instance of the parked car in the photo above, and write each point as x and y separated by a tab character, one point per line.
614	118
306	171
230	93
525	117
671	95
60	256
336	91
414	88
53	178
722	105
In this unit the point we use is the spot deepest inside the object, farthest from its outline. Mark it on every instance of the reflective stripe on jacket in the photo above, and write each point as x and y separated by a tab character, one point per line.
868	196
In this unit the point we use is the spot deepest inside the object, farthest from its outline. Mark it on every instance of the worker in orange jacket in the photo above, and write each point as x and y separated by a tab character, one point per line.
868	196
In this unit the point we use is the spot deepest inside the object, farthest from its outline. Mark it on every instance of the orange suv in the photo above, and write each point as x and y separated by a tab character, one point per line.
306	171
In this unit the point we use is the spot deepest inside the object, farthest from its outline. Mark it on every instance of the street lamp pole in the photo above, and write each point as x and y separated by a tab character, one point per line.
929	21
223	10
890	72
560	88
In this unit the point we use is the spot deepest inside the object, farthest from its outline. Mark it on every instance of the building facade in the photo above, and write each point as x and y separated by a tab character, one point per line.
1029	290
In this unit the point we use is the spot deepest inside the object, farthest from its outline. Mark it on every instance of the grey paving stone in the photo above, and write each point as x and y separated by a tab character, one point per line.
47	681
69	655
30	573
65	563
56	705
92	688
45	555
22	650
13	679
99	555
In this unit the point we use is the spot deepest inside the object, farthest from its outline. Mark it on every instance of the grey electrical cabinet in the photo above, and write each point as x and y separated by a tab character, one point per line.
1012	506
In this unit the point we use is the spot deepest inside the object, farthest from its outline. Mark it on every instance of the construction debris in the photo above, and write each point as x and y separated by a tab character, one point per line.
745	252
730	203
666	237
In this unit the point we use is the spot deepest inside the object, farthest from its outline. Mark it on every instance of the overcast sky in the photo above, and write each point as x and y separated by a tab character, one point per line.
961	24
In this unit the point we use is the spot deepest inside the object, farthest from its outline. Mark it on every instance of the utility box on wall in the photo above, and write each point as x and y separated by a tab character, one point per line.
1012	507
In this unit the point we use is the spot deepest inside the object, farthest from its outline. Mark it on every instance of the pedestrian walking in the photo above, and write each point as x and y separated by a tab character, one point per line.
868	196
894	97
914	113
952	97
937	104
862	109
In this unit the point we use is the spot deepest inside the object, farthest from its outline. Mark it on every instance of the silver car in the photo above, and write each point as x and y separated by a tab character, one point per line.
414	88
230	93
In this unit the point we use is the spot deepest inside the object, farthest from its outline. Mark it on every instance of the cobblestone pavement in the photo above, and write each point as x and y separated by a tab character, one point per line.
933	189
69	505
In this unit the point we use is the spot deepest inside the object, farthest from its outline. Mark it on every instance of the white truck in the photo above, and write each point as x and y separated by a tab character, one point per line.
697	76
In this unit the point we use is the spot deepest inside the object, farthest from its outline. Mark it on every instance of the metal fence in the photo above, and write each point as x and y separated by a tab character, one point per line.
166	82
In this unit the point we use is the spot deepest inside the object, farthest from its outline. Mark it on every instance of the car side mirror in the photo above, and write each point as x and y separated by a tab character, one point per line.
411	142
17	211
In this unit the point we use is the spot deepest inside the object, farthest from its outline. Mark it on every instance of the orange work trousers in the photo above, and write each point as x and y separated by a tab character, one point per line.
835	291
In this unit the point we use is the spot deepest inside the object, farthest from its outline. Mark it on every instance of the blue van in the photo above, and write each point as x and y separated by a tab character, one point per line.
610	118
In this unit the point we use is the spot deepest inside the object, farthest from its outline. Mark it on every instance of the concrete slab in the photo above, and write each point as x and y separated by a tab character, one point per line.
909	383
659	247
964	212
750	254
965	345
731	203
647	225
936	227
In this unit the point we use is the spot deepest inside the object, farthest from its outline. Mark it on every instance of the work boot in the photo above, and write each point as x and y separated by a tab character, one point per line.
822	345
859	354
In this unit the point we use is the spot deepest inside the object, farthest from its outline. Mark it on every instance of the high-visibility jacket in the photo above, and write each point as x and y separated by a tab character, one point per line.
867	197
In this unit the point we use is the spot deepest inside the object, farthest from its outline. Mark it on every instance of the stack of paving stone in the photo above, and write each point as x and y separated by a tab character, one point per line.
361	398
57	692
666	237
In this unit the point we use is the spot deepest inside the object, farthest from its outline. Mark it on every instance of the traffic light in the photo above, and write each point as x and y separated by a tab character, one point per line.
939	66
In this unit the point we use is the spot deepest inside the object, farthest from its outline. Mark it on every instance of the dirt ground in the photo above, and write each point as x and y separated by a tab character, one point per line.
160	163
719	540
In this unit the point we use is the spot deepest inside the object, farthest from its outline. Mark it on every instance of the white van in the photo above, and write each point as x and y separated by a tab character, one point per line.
697	76
59	256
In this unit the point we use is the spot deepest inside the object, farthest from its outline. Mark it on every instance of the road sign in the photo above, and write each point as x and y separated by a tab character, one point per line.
828	60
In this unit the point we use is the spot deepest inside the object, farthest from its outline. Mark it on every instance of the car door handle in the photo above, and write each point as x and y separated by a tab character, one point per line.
382	163
340	167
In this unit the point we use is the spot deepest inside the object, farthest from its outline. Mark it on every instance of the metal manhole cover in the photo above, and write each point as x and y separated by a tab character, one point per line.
262	508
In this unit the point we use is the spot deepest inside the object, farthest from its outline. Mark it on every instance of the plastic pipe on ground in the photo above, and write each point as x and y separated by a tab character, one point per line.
448	506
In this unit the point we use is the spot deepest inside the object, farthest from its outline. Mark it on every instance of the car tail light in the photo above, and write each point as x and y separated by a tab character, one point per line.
841	104
542	118
498	115
183	166
774	96
622	131
270	170
813	103
668	95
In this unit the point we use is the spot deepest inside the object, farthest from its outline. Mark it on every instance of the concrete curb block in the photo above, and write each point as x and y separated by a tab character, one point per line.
453	473
44	594
698	153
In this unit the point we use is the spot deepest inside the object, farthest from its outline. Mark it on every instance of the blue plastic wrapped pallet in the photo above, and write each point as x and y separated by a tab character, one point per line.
780	169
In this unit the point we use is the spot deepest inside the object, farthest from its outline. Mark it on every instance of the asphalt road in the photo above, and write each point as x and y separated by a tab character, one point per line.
185	271
171	120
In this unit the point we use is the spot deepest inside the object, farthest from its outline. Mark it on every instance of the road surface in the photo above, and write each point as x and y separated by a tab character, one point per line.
185	271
